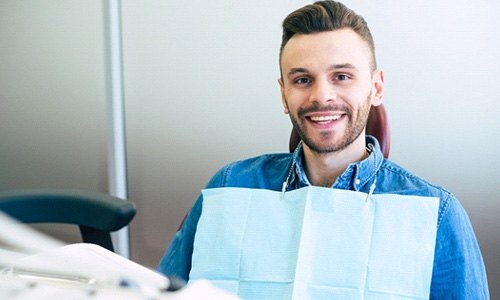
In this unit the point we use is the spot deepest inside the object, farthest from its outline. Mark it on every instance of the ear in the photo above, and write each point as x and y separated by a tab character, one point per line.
377	87
283	98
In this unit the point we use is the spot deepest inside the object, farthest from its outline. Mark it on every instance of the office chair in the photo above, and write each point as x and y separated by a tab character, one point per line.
96	214
377	126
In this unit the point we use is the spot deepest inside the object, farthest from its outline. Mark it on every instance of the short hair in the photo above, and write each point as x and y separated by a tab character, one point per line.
326	16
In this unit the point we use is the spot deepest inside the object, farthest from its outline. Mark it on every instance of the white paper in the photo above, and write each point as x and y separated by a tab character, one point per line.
88	262
317	243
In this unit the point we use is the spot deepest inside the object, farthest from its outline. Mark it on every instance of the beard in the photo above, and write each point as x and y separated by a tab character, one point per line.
355	126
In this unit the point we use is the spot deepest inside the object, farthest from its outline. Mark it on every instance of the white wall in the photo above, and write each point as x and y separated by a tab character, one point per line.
201	88
201	91
52	97
442	69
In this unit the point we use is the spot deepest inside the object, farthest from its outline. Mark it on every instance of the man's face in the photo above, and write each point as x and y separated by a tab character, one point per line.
328	87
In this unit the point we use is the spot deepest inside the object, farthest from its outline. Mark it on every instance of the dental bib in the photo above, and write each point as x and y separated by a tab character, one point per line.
316	243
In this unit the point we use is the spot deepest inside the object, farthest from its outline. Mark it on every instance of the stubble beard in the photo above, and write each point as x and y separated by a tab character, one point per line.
355	127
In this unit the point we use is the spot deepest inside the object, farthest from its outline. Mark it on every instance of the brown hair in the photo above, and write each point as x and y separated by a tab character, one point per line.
325	16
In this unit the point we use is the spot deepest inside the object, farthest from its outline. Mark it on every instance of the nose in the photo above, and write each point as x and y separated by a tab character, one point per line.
323	92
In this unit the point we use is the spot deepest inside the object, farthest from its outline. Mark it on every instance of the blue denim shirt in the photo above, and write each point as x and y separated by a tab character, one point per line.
458	271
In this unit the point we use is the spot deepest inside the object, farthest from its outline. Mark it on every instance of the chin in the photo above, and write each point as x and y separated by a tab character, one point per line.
325	147
330	145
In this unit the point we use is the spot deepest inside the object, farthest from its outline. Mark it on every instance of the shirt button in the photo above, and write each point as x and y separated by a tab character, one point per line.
357	182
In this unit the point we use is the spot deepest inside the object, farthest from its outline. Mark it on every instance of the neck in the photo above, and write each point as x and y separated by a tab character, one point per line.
323	169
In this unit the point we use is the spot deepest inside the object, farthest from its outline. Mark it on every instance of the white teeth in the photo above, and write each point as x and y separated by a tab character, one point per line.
325	118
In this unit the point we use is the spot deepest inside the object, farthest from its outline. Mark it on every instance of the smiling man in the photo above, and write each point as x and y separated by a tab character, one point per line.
328	85
329	81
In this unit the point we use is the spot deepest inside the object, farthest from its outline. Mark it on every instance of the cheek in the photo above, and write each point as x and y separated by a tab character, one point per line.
291	106
294	98
360	96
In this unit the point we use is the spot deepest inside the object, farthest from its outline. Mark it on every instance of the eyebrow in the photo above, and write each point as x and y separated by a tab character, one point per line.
332	67
342	66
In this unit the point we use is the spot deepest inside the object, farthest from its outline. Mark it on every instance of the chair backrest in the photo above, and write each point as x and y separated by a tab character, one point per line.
96	214
378	126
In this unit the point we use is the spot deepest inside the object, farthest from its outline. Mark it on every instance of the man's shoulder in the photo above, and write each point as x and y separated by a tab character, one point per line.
399	180
403	181
269	159
263	171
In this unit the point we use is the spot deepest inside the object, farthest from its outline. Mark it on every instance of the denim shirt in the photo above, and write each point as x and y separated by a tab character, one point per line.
458	270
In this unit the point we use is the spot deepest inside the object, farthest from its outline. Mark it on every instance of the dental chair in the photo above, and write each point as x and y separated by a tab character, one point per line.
96	214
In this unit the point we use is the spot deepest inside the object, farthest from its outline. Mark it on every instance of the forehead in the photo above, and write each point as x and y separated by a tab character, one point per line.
316	50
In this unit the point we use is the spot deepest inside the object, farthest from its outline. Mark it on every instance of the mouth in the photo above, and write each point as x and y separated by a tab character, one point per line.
325	119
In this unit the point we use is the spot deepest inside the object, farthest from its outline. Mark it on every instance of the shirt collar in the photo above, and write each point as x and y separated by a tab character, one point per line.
357	175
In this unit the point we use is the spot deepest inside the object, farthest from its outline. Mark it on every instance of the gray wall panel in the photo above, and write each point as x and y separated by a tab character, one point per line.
52	96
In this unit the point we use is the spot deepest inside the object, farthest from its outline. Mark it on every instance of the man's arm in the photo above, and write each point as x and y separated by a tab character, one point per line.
177	259
459	271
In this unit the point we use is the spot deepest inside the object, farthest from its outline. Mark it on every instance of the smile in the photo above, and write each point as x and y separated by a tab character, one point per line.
324	118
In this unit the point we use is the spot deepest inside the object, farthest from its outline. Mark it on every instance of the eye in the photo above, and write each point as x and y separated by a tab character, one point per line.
302	80
342	77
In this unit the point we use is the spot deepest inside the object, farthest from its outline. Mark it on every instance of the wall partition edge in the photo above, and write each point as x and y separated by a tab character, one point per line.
117	151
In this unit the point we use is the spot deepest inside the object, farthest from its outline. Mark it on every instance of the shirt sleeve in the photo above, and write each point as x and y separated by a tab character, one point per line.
458	271
177	258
